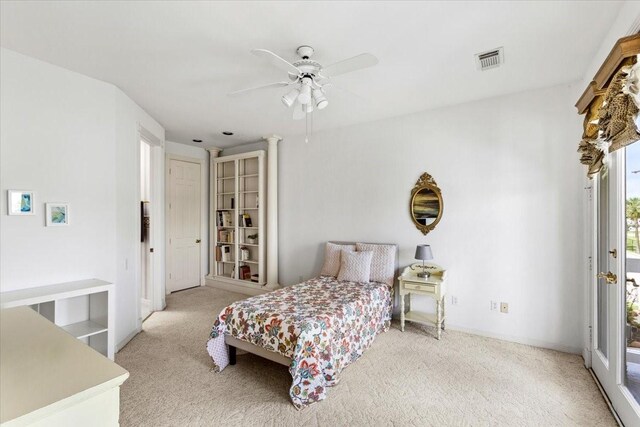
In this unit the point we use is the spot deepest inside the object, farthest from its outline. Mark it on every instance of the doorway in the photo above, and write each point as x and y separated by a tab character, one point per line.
184	223
146	244
616	282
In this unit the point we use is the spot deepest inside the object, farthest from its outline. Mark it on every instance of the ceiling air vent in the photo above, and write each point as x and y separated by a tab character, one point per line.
490	59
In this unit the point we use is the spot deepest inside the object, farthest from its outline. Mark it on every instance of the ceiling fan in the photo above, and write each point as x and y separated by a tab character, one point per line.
308	78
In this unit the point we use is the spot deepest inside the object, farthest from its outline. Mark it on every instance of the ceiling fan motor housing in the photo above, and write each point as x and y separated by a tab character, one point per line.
304	51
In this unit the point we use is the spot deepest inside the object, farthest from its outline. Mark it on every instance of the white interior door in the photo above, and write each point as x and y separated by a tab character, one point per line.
184	198
615	304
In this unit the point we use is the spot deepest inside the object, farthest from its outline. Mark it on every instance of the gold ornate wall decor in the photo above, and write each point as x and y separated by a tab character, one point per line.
425	204
590	154
610	103
618	113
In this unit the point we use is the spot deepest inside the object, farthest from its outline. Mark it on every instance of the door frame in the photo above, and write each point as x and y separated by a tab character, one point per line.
157	215
591	251
204	218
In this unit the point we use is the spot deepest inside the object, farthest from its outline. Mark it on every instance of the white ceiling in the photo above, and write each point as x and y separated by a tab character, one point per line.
178	60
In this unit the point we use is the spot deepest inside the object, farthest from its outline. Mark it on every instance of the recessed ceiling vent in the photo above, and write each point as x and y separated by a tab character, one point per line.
490	59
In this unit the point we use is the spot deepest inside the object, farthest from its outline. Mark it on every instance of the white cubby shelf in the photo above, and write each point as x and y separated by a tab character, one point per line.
83	309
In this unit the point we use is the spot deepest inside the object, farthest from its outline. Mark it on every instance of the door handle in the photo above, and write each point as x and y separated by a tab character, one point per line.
197	240
609	277
614	253
633	282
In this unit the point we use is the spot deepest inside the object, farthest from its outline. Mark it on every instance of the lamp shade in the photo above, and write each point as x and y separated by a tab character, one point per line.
290	98
423	252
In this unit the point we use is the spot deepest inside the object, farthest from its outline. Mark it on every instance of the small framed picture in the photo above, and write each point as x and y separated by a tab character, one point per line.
57	214
20	202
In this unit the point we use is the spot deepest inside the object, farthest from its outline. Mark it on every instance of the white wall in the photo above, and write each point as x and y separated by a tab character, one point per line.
56	138
129	117
200	154
512	224
627	22
71	139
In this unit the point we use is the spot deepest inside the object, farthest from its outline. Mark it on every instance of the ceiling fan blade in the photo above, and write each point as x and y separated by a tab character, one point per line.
267	86
277	61
333	87
298	112
358	62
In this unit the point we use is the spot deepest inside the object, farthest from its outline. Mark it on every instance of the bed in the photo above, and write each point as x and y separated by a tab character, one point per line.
316	328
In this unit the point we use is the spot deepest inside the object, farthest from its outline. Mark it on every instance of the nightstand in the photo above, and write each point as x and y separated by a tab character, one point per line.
433	286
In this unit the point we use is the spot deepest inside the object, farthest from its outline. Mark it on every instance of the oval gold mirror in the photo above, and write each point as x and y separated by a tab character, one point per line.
426	204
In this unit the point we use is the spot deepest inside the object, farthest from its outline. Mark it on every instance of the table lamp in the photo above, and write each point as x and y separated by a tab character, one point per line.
423	252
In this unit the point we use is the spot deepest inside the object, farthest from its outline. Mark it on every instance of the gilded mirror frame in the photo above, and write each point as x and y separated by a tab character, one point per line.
427	182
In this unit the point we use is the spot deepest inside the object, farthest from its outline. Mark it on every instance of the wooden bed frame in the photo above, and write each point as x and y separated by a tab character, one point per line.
233	343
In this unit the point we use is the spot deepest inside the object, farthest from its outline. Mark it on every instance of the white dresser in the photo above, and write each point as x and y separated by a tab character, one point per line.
50	378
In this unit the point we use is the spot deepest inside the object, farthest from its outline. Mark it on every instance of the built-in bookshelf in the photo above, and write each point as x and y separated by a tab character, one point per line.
239	237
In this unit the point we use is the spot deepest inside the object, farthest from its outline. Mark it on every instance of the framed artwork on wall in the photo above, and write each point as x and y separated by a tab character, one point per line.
20	202
57	214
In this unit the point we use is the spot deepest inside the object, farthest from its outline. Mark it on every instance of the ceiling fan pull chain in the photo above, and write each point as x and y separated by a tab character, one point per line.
306	128
311	118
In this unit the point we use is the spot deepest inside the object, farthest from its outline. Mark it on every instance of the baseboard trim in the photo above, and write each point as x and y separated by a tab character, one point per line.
586	355
238	288
128	338
519	340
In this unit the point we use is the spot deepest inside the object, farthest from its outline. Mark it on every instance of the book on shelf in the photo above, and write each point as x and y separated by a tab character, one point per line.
244	220
219	218
226	252
226	219
226	236
245	272
218	253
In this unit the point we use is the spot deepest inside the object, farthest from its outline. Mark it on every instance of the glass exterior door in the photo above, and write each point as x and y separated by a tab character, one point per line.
616	280
631	342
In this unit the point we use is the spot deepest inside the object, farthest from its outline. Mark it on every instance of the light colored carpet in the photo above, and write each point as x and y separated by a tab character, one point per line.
403	379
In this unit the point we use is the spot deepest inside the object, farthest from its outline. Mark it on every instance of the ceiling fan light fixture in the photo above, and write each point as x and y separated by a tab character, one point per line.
305	94
308	108
290	98
307	77
320	99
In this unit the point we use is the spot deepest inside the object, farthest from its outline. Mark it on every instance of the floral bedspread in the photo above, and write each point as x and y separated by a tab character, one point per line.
322	324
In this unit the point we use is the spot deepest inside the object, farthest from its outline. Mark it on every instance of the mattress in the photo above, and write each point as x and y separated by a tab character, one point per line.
322	324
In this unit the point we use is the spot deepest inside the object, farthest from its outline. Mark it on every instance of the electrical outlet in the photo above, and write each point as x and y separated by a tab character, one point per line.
494	306
504	307
454	300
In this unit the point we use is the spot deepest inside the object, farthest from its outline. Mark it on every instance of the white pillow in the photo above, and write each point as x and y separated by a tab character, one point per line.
331	265
355	266
383	263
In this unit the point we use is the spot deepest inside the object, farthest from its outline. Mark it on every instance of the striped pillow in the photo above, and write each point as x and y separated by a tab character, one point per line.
355	266
383	263
331	265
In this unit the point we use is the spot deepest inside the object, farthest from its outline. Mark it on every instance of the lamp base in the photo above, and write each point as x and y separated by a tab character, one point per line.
424	274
